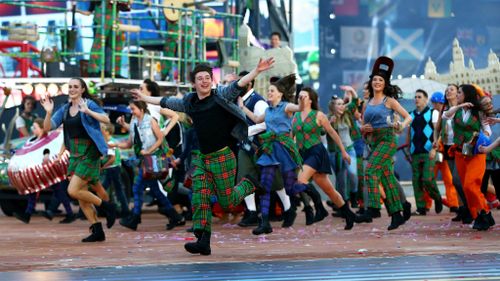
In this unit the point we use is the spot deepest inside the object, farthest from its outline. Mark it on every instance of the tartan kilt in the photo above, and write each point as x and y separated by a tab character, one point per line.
84	160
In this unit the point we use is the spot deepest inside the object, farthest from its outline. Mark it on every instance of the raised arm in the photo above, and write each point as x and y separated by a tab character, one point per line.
394	105
292	107
255	118
172	116
262	66
94	111
325	123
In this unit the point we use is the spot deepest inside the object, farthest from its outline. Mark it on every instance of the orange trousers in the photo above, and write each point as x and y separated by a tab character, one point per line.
471	171
451	193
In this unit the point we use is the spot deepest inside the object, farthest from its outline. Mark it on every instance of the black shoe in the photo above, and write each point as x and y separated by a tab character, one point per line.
374	212
202	246
131	222
259	189
308	210
460	214
97	233
321	213
360	211
289	217
110	210
48	214
481	222
263	228
406	210
396	220
174	218
68	219
490	219
438	206
420	212
454	210
467	217
350	217
24	217
249	219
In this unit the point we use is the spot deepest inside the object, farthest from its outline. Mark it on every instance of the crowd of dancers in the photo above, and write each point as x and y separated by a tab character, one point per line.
231	145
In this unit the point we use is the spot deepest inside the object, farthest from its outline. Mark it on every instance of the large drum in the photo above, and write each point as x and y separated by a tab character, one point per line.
34	166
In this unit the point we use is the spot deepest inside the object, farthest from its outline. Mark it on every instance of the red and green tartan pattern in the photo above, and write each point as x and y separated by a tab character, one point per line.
172	43
361	176
95	59
266	139
307	132
423	178
463	131
380	169
215	174
84	160
351	109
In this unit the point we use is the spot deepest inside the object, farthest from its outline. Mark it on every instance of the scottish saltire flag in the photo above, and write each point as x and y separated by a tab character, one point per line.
439	8
404	44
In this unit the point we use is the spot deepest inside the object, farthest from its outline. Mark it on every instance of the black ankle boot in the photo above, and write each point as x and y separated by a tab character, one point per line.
481	222
460	214
251	219
438	206
264	227
374	212
467	217
396	220
97	233
350	217
420	212
406	210
321	212
353	199
131	222
24	217
309	212
174	219
110	210
48	214
490	219
289	217
202	246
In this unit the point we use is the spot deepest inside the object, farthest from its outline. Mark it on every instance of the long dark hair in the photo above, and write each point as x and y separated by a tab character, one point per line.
152	87
141	105
313	96
470	95
286	86
86	94
391	91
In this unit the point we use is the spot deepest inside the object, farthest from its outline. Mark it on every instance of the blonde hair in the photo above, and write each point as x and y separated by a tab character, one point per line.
110	128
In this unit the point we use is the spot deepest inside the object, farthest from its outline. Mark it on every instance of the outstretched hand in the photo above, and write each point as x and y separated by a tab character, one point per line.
264	65
136	94
82	106
47	103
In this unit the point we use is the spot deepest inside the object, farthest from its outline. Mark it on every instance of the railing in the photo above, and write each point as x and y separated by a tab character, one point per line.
189	31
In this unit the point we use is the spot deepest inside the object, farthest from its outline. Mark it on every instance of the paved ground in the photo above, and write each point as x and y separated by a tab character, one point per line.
47	245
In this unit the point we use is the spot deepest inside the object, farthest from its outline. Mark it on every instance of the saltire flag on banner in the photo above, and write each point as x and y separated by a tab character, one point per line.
439	8
346	7
404	44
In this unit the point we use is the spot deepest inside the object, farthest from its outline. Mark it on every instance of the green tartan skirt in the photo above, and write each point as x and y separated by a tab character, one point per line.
84	160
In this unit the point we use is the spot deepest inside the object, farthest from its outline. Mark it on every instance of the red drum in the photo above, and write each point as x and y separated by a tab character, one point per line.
34	167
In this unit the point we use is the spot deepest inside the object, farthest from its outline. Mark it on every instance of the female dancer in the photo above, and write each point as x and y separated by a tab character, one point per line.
83	138
278	149
146	137
379	130
342	122
471	167
307	126
445	131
